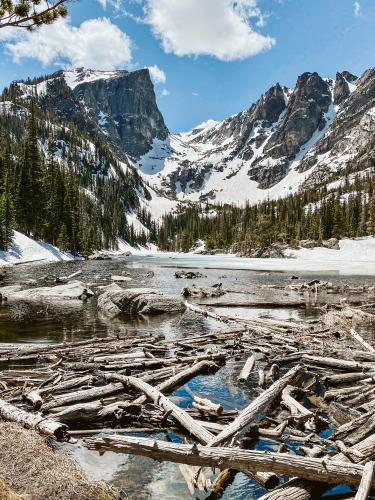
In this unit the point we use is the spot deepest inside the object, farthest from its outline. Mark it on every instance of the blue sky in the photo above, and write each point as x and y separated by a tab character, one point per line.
216	56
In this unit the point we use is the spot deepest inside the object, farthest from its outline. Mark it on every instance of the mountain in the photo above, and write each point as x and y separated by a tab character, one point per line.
118	106
288	139
66	174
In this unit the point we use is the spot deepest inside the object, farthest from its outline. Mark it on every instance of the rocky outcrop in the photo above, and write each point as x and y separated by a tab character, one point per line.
73	291
119	106
342	89
116	300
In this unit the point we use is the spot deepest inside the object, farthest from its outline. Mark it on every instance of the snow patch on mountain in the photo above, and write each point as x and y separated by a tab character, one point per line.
81	75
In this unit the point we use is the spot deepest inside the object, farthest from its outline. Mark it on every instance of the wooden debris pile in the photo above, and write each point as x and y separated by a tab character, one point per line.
306	377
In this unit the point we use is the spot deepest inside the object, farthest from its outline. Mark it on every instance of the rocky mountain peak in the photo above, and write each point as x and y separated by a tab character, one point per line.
343	84
119	106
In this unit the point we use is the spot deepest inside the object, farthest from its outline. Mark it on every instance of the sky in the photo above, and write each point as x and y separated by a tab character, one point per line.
209	59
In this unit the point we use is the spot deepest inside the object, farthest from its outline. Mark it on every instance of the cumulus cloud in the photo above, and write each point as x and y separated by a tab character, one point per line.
219	28
157	74
96	44
357	9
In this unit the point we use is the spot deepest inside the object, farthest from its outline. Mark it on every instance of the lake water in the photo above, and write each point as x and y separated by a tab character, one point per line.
143	478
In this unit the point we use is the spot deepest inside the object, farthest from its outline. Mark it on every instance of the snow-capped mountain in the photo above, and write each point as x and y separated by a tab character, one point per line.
118	106
288	138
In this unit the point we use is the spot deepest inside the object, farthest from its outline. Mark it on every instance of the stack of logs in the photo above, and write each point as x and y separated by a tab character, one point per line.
306	377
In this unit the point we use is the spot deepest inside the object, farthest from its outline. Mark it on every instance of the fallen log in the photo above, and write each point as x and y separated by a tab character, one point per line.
366	482
204	405
80	396
361	340
341	364
312	469
302	490
43	425
247	369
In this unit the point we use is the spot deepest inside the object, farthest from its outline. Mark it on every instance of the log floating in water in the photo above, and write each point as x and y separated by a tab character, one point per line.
312	469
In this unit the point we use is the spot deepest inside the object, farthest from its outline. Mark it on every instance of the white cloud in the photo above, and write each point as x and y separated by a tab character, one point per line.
195	94
95	44
103	3
165	93
219	28
357	9
157	74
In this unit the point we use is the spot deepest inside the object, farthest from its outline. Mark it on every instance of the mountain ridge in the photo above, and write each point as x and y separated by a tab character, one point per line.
287	139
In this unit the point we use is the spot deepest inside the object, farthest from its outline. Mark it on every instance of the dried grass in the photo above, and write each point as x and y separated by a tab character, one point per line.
34	470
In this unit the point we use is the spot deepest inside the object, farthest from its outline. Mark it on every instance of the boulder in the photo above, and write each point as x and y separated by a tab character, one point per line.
99	256
202	291
75	290
332	243
308	244
115	300
189	275
121	278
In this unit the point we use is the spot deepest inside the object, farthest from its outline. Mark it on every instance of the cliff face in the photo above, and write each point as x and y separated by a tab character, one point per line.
119	105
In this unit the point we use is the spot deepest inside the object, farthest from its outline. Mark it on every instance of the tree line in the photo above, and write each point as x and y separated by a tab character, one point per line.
319	213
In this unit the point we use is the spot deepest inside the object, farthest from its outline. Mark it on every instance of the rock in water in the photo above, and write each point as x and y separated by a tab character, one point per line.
202	291
54	294
116	300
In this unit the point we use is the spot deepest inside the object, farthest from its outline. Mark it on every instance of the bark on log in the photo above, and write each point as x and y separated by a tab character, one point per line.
366	482
44	426
80	396
312	469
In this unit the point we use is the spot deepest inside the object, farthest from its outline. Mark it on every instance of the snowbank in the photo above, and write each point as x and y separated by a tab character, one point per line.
25	249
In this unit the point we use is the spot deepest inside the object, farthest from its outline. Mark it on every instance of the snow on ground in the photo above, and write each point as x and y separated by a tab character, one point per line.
355	257
25	249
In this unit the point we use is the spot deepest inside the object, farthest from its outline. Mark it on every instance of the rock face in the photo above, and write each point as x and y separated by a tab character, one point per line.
116	300
288	137
119	105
